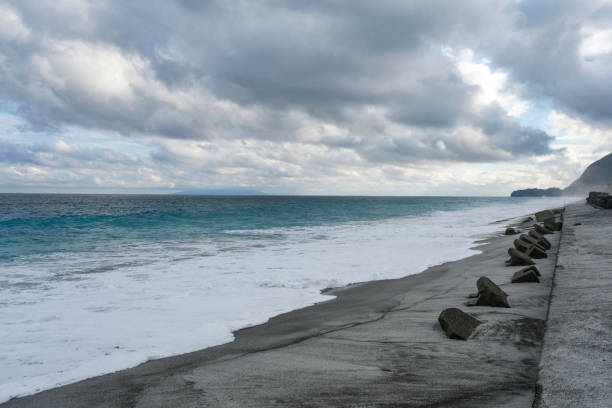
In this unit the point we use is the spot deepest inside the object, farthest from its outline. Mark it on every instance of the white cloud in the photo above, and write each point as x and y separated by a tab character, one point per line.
584	142
99	74
595	42
12	27
493	85
64	147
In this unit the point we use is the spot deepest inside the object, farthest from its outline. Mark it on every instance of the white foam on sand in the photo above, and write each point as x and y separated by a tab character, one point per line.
68	317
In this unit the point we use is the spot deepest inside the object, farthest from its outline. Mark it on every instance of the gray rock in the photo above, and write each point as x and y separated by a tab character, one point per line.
532	241
521	245
537	252
511	231
597	199
457	324
533	233
525	275
532	268
553	225
544	215
541	229
528	239
518	258
544	243
489	294
533	251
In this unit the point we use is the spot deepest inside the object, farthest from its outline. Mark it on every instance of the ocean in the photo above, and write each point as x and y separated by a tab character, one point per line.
91	284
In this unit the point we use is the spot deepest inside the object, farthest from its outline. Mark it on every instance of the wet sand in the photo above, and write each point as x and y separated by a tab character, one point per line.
378	344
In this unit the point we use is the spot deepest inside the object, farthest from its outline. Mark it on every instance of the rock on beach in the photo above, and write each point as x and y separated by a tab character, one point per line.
457	324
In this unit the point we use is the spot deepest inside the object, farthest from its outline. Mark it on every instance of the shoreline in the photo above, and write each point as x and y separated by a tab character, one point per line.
355	307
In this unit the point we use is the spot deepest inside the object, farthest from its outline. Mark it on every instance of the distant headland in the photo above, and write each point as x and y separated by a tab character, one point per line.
596	177
538	192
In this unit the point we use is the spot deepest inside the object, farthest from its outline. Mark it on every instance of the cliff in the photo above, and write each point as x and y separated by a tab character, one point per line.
596	177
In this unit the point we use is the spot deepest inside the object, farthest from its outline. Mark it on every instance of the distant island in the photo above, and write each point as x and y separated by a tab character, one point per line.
538	192
596	177
221	192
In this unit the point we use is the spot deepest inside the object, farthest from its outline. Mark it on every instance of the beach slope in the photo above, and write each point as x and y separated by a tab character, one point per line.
378	344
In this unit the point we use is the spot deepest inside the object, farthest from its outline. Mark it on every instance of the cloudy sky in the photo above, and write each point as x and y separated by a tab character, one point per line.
293	97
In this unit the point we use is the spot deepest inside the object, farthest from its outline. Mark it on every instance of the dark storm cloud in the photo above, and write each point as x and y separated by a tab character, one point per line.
439	101
232	70
525	140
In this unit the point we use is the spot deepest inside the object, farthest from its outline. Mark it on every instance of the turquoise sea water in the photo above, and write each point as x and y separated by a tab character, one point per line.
33	224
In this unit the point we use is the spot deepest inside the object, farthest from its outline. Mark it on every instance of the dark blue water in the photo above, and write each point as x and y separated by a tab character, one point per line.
50	223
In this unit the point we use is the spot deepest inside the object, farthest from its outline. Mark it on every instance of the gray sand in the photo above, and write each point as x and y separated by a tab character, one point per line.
576	367
377	345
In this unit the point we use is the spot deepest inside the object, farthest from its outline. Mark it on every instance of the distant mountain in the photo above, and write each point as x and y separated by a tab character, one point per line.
596	177
538	192
220	191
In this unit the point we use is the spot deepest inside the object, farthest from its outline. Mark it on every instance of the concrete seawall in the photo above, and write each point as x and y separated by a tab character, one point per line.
576	363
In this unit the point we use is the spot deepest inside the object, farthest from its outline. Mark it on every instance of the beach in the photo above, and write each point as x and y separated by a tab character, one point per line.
377	344
96	284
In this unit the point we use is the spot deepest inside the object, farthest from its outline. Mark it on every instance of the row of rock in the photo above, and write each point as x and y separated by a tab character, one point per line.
459	325
603	200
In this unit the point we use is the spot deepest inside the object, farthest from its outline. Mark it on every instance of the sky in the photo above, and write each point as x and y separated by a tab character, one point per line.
291	97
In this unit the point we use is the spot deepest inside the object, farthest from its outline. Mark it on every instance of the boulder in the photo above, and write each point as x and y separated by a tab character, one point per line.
489	294
521	246
511	231
457	324
544	243
541	229
525	275
597	199
532	268
528	219
533	251
518	258
544	215
540	245
530	241
559	210
553	225
537	252
535	234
